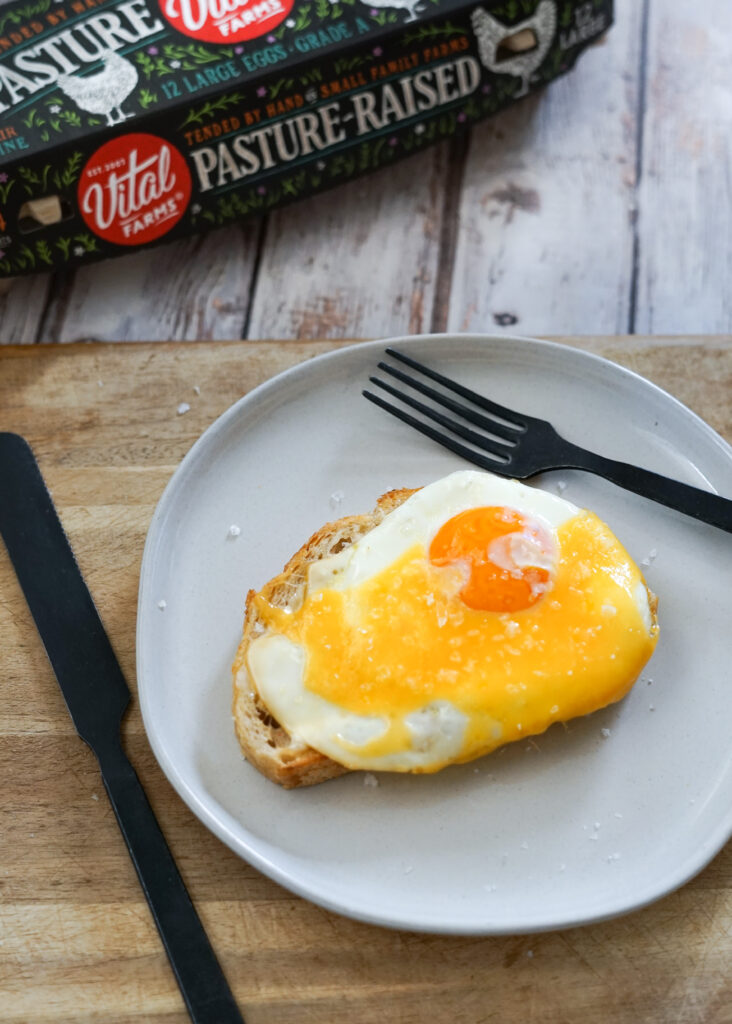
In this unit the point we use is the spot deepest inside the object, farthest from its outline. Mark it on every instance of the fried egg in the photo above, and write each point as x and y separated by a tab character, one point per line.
478	612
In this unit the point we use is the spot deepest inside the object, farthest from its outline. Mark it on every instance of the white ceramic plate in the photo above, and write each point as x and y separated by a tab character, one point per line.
573	827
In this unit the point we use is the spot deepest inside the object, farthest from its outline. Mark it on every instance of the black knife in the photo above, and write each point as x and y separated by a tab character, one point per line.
97	696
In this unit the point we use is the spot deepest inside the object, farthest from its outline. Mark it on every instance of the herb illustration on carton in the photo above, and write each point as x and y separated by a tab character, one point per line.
130	123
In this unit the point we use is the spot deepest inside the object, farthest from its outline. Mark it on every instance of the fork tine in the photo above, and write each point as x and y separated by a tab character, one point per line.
492	426
484	461
517	420
501	451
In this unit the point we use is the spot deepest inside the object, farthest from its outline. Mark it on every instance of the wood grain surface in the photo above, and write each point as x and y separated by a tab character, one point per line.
77	944
599	206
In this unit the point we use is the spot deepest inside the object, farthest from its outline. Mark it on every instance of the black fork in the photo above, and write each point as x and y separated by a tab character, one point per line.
513	444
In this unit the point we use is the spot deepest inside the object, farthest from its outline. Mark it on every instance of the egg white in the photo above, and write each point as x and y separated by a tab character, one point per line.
277	664
418	519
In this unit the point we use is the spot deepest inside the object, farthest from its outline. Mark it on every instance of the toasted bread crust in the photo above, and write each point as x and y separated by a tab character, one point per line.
265	743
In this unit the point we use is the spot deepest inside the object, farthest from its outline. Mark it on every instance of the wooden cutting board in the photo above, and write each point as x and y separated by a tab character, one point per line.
77	944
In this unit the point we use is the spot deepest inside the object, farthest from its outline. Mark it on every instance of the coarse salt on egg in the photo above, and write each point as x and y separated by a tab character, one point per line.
461	622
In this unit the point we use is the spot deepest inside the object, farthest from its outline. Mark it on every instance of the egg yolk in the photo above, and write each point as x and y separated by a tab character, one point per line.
505	554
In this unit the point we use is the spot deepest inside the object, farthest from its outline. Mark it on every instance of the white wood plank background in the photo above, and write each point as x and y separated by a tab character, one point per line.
194	289
601	206
545	232
685	194
361	260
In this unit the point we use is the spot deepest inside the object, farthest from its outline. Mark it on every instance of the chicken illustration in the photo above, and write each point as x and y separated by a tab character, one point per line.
399	5
527	43
105	91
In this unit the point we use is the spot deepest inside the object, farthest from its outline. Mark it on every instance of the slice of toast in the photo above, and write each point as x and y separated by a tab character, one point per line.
266	744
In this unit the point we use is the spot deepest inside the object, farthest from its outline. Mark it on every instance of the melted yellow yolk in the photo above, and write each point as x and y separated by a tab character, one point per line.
485	541
513	649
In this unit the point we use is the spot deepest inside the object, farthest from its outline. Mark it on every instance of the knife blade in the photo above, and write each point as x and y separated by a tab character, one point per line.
97	697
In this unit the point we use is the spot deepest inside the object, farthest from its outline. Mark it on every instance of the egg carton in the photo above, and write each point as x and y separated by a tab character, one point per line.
127	123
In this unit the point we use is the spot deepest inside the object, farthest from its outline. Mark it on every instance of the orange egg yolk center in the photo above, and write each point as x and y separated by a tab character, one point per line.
505	556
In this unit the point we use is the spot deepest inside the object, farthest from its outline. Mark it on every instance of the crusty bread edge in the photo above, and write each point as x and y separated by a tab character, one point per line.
265	743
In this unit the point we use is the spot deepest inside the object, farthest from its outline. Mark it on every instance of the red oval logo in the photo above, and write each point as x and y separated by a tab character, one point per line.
225	21
134	189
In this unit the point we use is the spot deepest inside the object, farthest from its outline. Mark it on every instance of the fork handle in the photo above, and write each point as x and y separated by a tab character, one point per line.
692	501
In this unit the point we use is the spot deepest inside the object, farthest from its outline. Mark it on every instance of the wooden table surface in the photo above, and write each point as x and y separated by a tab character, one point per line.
77	944
601	206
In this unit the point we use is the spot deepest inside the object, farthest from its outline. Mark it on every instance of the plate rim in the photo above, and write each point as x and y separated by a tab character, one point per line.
686	869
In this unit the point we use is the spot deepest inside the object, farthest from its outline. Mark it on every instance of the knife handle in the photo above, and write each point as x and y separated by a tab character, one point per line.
202	983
